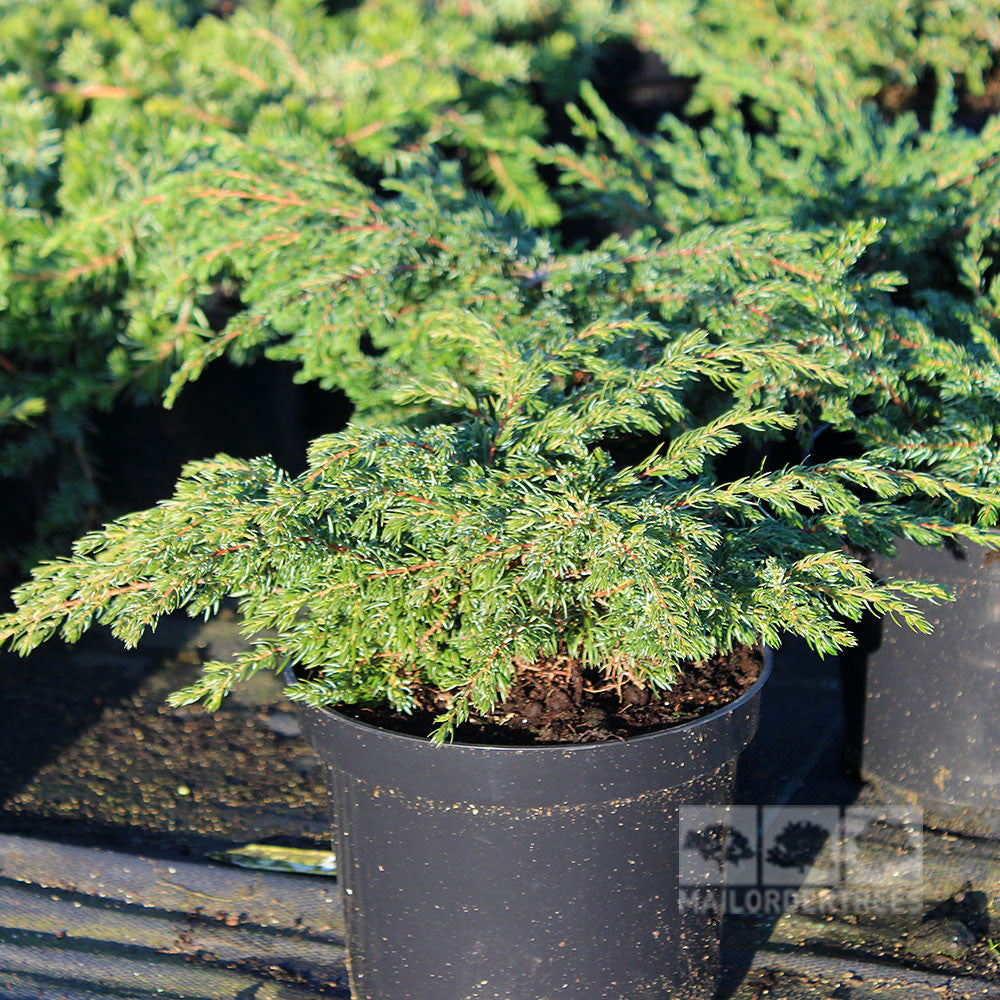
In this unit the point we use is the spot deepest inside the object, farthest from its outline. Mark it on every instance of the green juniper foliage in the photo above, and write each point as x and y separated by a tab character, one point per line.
506	531
103	106
427	255
334	277
884	48
830	159
432	254
549	457
921	384
111	113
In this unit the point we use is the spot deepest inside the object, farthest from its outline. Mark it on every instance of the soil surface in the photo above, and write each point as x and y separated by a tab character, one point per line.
557	702
91	754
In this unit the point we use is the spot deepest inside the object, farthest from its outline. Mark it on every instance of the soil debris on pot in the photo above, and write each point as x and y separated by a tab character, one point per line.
557	701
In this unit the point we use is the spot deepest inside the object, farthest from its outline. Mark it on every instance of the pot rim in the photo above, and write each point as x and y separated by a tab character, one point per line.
557	748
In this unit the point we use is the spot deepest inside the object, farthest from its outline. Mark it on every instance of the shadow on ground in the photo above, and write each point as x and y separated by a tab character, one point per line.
56	695
941	947
93	755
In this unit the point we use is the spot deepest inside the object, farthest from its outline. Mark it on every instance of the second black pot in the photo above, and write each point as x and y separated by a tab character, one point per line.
923	711
543	872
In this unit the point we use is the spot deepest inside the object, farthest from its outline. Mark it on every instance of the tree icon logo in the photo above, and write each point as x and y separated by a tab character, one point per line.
798	845
716	843
883	848
719	843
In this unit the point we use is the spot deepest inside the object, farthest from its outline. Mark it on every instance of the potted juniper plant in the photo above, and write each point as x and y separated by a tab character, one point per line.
921	373
518	648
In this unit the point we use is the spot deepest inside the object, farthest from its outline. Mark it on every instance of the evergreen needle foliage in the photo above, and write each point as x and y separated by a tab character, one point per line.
885	48
114	114
924	207
550	457
830	159
458	554
102	103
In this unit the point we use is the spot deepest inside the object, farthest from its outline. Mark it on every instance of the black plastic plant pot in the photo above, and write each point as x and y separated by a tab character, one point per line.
925	709
543	872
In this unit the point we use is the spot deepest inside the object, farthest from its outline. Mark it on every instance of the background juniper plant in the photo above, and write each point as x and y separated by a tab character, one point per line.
921	356
829	159
896	52
100	103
